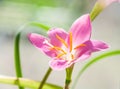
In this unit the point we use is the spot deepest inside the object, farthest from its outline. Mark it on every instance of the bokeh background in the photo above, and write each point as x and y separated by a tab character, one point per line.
58	13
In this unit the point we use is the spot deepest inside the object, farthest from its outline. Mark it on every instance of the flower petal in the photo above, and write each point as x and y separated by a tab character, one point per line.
81	29
53	33
41	43
83	53
59	64
106	3
97	45
83	56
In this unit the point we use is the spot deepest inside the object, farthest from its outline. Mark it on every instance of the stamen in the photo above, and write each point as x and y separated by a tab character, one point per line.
62	40
70	41
81	45
58	48
59	55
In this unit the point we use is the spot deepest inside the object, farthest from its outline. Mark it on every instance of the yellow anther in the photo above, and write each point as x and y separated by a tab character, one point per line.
58	49
62	40
70	41
81	45
59	55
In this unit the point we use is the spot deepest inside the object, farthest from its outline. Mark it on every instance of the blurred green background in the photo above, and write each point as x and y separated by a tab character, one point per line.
58	13
14	13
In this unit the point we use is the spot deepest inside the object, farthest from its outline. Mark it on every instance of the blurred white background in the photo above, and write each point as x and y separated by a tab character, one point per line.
105	74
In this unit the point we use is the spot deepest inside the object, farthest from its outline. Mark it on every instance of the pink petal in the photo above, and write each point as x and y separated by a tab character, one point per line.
81	29
91	46
106	3
83	56
39	42
111	1
52	35
96	45
59	64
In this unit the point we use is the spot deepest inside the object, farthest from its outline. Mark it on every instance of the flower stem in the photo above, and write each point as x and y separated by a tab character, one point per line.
67	83
68	77
45	78
17	56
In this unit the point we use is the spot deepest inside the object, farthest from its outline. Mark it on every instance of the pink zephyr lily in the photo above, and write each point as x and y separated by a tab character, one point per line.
65	48
107	2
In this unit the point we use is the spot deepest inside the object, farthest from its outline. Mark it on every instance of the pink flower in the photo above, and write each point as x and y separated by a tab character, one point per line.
107	2
67	48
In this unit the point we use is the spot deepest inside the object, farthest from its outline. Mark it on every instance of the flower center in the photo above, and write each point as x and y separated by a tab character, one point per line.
66	52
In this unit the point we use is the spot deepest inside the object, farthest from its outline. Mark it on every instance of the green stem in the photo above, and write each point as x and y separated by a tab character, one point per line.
68	76
17	56
46	28
26	83
94	60
45	78
67	83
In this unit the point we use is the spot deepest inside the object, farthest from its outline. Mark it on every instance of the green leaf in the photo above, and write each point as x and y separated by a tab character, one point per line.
26	83
93	61
44	27
17	57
